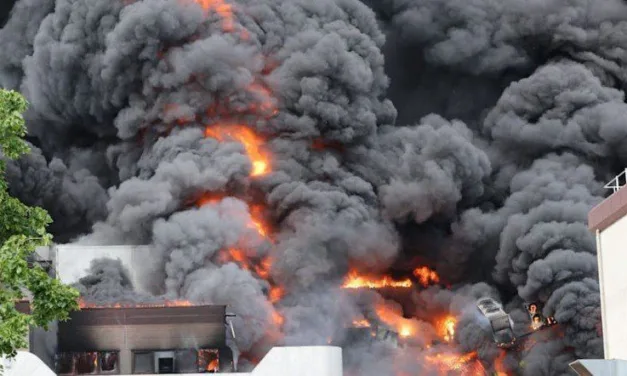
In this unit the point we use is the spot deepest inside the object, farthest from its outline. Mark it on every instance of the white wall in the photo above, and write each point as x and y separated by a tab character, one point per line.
612	257
72	262
25	364
301	361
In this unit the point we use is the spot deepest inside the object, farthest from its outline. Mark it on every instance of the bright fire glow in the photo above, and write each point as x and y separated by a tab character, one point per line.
276	293
499	366
355	281
252	143
404	331
404	327
212	366
277	318
245	257
426	276
363	323
465	364
447	328
222	8
166	303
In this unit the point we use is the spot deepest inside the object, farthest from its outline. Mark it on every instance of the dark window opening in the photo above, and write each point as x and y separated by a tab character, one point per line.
208	361
86	363
166	365
65	363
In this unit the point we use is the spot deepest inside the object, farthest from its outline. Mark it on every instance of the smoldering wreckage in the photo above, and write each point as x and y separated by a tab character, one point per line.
320	166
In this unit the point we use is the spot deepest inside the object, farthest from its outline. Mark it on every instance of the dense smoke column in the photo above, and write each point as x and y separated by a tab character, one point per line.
137	94
547	99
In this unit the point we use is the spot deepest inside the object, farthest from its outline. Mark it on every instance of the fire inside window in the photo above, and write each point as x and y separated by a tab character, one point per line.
87	363
208	361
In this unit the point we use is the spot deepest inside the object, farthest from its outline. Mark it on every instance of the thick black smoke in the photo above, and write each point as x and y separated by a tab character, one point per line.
474	136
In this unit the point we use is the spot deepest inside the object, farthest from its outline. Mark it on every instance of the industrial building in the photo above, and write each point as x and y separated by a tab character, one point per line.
148	340
608	221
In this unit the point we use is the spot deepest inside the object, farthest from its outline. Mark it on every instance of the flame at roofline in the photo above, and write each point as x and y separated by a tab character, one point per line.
157	304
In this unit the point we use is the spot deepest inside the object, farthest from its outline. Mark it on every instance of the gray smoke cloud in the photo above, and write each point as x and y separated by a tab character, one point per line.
109	282
472	137
71	194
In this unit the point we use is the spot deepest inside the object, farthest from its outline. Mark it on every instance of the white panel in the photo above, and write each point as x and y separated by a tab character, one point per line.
599	367
73	261
612	249
24	364
301	361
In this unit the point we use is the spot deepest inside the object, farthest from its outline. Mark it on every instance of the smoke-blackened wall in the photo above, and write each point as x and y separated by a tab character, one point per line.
473	136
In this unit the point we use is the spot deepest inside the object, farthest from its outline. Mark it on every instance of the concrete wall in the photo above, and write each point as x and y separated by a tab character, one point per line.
72	262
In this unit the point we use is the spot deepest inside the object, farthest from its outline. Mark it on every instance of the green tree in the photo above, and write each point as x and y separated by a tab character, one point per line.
22	230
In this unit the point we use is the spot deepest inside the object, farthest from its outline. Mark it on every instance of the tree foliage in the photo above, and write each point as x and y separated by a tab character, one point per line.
22	230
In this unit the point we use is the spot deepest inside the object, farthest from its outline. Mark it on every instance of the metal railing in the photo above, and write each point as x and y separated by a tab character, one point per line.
618	182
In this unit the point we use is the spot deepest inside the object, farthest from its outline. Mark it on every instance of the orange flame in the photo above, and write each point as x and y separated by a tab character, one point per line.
208	199
446	328
465	364
277	318
222	8
499	367
212	366
355	281
252	143
404	327
276	293
363	323
426	276
166	303
258	224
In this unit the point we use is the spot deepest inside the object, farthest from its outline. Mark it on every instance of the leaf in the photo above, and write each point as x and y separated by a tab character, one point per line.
22	230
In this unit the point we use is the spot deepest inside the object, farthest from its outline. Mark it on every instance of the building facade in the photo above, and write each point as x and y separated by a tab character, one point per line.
147	340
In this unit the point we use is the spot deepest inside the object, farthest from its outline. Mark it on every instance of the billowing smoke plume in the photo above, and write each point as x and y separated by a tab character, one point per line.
470	136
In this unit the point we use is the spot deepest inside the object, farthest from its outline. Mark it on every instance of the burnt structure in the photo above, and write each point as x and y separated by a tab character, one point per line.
144	340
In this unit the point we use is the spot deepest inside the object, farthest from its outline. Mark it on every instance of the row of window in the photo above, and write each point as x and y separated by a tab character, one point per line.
144	362
87	363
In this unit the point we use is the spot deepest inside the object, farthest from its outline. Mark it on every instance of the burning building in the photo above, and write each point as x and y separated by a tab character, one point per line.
142	340
127	337
320	165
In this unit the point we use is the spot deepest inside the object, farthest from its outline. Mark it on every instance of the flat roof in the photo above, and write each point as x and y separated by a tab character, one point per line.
148	315
608	211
